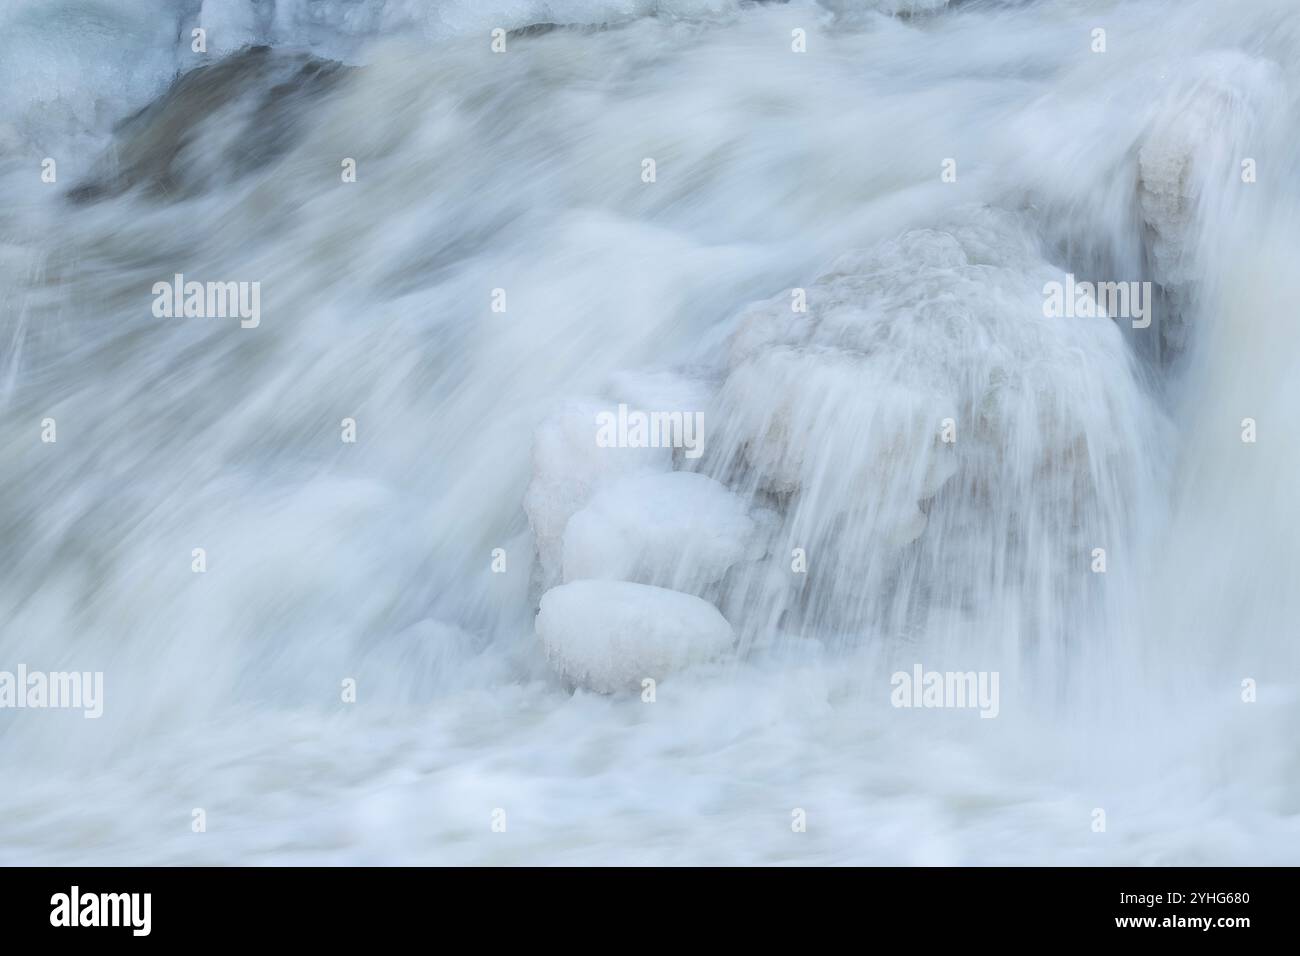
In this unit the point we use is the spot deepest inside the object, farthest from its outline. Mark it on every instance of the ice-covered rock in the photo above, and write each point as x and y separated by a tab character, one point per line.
680	530
1200	140
571	463
258	100
853	11
925	386
610	635
568	467
341	26
71	66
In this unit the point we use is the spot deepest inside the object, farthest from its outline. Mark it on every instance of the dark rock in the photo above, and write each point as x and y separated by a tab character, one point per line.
215	124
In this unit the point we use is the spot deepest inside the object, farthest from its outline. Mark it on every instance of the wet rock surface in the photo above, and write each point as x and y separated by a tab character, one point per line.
253	107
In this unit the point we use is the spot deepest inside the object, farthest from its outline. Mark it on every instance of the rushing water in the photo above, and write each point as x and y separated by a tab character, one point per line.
373	561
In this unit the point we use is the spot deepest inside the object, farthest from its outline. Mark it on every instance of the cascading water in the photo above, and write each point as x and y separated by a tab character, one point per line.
839	264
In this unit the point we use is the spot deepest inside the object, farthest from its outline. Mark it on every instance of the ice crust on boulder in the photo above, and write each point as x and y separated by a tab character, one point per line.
568	467
677	529
608	636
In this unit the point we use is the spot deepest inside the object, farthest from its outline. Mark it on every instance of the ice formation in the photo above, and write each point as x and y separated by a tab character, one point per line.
611	635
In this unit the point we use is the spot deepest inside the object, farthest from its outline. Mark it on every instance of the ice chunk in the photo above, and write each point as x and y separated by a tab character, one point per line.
679	529
610	635
568	467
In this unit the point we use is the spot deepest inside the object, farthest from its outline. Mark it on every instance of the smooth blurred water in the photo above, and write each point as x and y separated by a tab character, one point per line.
775	170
